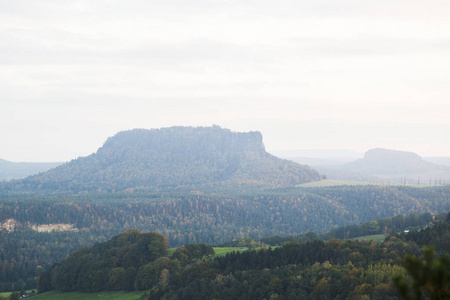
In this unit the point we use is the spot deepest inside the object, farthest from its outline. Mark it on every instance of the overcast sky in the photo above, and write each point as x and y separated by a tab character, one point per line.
347	74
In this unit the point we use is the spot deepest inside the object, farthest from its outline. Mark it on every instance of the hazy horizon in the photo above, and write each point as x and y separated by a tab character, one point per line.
308	75
282	153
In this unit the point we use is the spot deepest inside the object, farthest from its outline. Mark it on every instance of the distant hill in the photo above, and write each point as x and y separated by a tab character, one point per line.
398	167
378	166
16	170
171	157
384	161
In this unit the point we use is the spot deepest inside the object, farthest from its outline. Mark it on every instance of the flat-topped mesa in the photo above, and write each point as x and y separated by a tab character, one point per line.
171	157
385	161
391	155
188	142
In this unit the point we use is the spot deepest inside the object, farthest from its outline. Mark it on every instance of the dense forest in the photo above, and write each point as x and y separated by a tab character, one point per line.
186	217
111	265
392	225
129	261
333	269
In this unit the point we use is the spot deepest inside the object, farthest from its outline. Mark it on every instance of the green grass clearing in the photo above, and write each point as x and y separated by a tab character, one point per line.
5	294
219	251
324	183
54	295
328	182
374	237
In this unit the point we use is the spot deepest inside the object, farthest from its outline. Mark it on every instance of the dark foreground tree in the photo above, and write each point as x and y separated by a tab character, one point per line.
429	277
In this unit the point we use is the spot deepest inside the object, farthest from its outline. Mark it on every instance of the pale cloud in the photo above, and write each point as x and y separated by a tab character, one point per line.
307	74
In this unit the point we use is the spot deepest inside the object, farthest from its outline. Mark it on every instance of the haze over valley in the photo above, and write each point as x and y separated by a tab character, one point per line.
376	166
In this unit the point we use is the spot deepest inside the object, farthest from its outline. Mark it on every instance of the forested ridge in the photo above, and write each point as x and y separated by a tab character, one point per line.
88	269
169	157
388	226
333	269
195	216
237	213
129	261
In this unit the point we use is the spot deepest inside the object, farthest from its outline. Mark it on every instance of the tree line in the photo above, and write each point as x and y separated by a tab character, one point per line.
201	216
333	269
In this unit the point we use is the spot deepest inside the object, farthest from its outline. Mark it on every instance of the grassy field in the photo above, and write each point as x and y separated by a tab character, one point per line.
221	251
375	237
327	182
218	250
54	295
5	294
323	183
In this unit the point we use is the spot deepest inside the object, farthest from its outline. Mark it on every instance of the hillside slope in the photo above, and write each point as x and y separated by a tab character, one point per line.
171	157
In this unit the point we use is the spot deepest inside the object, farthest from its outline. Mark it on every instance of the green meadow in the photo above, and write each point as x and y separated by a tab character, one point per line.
324	183
374	237
54	295
219	251
4	294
